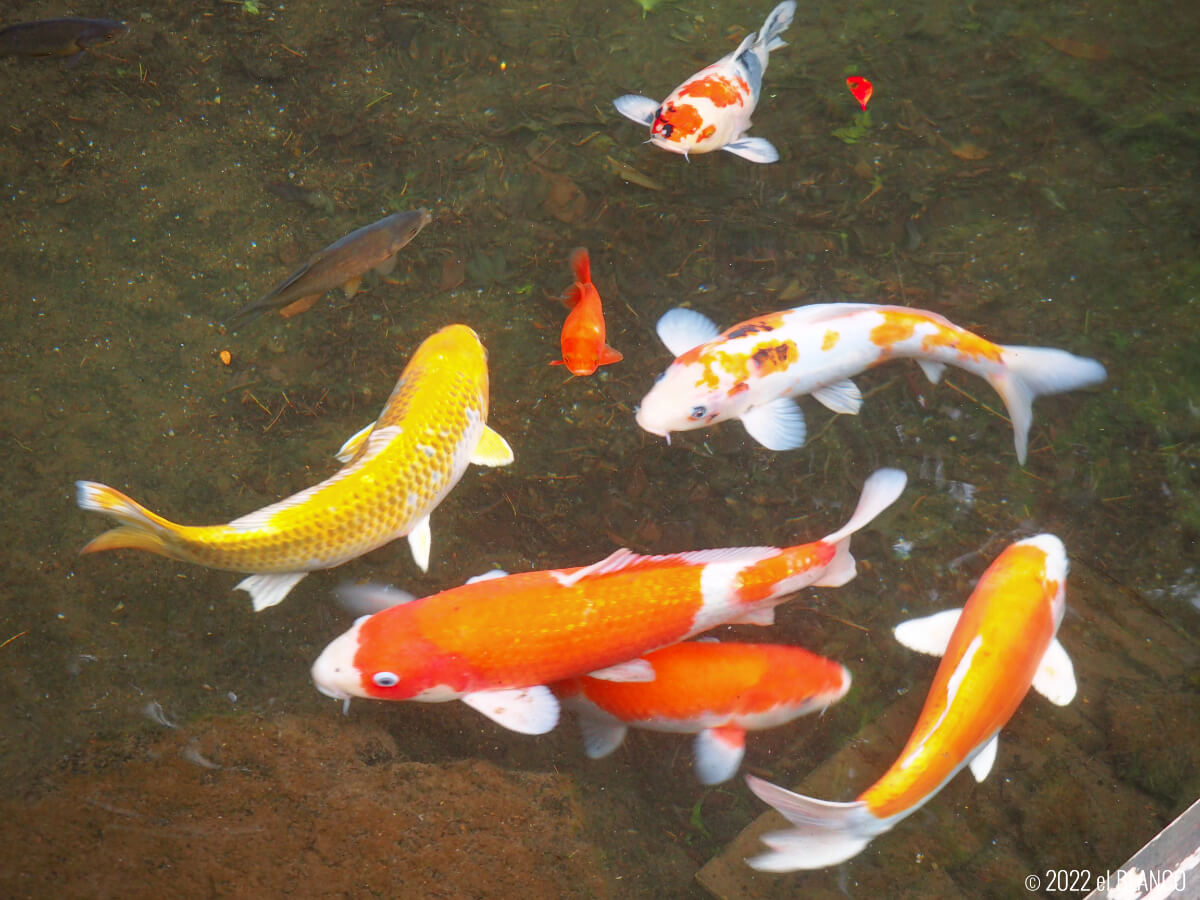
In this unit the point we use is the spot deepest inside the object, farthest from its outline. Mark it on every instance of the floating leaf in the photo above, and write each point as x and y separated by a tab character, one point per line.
861	89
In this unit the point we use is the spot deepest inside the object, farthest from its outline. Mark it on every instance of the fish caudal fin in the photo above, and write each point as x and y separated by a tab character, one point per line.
1030	372
140	529
581	265
879	492
776	24
825	833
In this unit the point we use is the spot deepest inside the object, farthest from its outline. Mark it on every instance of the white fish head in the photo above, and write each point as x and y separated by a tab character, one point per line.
692	393
1055	570
334	673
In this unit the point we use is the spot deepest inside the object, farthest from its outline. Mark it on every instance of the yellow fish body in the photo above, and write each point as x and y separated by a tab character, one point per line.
397	471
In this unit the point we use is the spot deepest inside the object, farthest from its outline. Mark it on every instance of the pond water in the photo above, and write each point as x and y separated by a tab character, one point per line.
1027	170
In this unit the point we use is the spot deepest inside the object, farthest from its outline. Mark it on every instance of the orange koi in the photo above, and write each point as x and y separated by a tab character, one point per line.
993	650
717	692
497	642
583	334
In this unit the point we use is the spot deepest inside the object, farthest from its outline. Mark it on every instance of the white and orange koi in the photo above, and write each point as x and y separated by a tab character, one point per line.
497	642
1001	643
712	109
751	371
398	469
713	690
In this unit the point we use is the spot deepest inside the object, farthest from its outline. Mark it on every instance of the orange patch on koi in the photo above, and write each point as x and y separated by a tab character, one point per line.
830	340
677	122
902	326
770	358
720	90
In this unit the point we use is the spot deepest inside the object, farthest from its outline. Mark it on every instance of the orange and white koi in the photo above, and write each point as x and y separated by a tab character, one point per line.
583	335
996	647
398	469
715	691
712	109
751	371
497	642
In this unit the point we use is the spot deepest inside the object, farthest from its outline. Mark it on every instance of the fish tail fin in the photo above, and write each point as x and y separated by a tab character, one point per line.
825	833
879	492
140	529
776	24
581	265
1030	372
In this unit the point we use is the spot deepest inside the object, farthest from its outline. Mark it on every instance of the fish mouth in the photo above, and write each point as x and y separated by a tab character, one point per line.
641	420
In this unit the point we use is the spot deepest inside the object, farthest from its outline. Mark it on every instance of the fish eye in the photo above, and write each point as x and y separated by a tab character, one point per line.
386	679
698	412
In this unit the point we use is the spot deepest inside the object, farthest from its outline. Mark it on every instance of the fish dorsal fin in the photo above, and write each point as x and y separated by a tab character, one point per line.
353	443
719	753
1055	677
778	425
929	634
529	710
842	397
981	763
420	539
626	559
601	736
681	329
633	671
933	370
638	108
268	589
492	450
487	576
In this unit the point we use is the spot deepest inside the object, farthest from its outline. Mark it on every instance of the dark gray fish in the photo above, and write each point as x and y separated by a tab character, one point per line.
58	37
342	264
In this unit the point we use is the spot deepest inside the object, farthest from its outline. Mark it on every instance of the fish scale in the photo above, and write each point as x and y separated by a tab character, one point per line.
398	470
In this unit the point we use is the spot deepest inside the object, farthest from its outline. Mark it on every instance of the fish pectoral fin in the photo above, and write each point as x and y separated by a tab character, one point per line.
933	370
637	671
681	329
601	736
981	763
764	615
304	304
387	266
492	450
842	397
530	710
608	356
353	444
778	425
571	296
929	634
638	108
350	288
1055	677
755	149
718	753
268	589
419	541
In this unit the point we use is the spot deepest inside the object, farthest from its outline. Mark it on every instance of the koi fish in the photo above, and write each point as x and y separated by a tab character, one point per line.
583	347
861	89
59	37
996	647
499	640
398	469
712	109
751	371
342	264
716	691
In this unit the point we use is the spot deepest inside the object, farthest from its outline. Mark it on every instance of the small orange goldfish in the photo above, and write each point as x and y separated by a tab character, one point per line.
583	346
861	89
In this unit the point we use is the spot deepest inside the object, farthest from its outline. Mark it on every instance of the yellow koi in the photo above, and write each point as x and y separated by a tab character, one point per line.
397	471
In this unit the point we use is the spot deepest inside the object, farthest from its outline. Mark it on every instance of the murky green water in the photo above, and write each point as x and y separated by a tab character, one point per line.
1028	171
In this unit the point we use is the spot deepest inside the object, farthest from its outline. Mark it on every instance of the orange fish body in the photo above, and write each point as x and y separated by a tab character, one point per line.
497	642
716	691
1001	643
583	335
